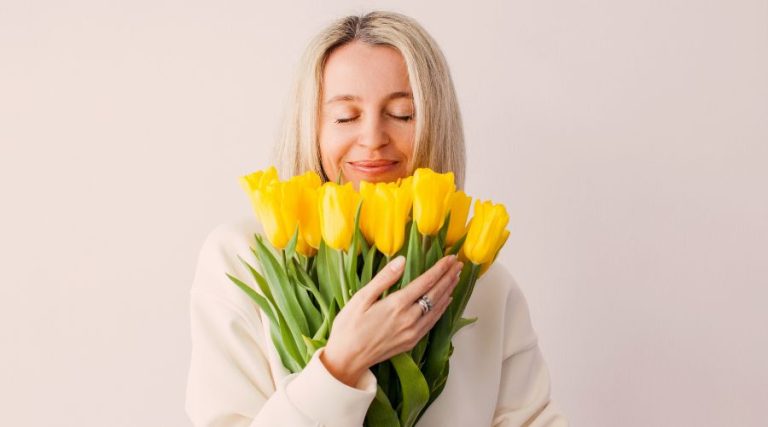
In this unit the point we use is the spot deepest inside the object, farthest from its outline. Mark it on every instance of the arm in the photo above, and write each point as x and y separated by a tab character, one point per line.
524	392
230	383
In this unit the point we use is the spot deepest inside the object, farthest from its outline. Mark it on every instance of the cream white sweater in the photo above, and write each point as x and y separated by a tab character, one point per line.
498	376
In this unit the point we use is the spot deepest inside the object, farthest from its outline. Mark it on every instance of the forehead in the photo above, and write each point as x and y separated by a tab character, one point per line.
365	71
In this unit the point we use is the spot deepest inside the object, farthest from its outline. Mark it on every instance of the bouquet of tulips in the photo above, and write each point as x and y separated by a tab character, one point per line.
324	241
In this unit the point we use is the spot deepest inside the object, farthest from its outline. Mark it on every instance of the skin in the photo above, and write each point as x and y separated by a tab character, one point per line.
379	123
371	329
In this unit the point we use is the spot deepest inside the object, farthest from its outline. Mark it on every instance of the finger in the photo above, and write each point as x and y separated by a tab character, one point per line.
428	320
388	276
426	281
437	295
446	284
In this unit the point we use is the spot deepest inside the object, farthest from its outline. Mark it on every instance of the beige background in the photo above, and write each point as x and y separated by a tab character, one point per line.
628	140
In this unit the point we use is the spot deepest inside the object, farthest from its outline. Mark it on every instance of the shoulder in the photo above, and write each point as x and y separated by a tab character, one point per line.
516	318
499	281
237	232
220	254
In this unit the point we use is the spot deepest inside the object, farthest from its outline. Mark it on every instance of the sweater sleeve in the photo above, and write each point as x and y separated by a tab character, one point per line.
230	383
524	392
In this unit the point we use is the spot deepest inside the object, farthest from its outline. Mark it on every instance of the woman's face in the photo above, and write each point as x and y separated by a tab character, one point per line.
367	121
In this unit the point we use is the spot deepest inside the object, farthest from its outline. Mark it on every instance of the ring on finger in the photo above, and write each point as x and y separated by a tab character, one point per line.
425	303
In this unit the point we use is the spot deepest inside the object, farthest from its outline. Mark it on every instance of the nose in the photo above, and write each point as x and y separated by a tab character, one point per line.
373	133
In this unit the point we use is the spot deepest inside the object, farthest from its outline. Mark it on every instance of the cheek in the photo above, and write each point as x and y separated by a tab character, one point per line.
405	142
332	148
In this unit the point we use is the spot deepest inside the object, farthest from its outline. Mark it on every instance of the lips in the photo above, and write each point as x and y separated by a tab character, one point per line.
373	166
373	163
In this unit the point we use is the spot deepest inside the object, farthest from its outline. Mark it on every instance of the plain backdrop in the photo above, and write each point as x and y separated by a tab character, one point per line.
628	139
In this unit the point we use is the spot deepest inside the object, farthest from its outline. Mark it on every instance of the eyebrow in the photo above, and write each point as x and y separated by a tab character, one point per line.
391	96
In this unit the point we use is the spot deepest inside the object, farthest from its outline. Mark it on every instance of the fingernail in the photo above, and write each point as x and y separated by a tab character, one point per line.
397	263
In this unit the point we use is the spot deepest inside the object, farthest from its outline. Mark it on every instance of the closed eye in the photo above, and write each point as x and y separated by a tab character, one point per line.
402	118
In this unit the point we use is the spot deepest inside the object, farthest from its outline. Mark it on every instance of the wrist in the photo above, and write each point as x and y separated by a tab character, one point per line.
341	367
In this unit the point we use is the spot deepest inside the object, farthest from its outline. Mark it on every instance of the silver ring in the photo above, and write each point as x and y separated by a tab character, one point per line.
425	304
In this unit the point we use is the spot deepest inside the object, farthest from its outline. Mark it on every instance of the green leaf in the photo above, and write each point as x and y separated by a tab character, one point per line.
382	263
434	254
381	413
285	297
275	252
462	322
437	388
439	350
307	306
290	249
260	280
418	351
444	229
463	290
296	360
414	260
363	243
307	283
353	281
384	374
407	232
270	310
339	256
440	347
325	327
256	297
328	273
368	266
414	388
456	246
313	344
332	310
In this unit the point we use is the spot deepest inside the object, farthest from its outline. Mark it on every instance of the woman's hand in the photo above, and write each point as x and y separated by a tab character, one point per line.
369	330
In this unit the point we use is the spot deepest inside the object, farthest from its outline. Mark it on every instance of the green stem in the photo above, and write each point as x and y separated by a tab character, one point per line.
343	276
426	241
386	291
473	270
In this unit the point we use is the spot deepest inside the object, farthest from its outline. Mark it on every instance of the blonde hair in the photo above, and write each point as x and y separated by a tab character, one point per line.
439	133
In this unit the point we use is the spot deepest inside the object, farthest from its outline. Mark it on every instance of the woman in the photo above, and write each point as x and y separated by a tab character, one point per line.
373	101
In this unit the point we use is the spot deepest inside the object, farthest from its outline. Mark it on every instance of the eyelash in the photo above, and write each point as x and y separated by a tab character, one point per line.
401	118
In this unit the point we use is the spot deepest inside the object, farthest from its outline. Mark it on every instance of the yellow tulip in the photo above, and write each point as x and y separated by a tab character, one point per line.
307	212
392	204
487	265
337	205
367	211
309	217
406	184
459	209
308	179
486	232
268	203
294	211
431	195
258	179
264	202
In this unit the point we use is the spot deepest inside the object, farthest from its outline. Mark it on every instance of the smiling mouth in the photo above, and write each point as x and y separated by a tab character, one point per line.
373	163
370	167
